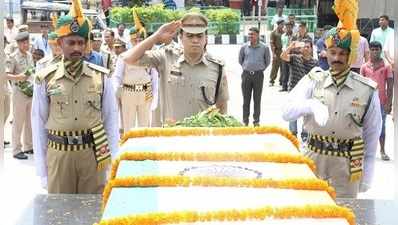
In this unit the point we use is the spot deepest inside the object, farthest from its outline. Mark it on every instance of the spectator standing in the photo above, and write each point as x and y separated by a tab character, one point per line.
362	55
107	50
97	41
381	73
286	40
380	34
56	52
254	57
276	47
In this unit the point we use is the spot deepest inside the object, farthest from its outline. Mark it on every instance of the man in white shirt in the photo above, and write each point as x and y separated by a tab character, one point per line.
10	31
42	41
388	49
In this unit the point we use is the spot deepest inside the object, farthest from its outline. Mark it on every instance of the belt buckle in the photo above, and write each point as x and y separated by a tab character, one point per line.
139	87
251	72
332	146
75	140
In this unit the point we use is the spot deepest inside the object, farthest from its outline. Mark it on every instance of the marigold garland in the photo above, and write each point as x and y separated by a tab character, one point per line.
184	181
214	156
204	131
286	212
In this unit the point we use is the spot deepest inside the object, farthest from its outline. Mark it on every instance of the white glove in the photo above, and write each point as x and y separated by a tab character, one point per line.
319	111
43	182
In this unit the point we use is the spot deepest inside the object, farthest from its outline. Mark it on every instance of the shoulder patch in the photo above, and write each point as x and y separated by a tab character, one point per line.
364	80
45	72
98	68
214	60
317	74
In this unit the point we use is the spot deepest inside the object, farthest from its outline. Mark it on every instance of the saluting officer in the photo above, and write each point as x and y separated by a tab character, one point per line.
17	64
74	114
190	79
341	112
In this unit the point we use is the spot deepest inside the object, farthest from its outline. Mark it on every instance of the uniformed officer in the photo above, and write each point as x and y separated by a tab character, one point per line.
136	90
13	46
191	79
17	64
341	112
96	41
55	55
74	114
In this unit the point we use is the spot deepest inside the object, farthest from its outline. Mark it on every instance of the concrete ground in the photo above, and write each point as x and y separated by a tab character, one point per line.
19	184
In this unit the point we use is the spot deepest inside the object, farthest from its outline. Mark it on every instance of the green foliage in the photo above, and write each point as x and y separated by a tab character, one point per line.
211	117
221	21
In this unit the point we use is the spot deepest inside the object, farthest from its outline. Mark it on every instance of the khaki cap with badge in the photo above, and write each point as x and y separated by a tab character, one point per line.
96	35
194	23
119	42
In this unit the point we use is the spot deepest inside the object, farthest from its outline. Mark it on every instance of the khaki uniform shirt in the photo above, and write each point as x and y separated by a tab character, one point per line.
18	63
347	105
180	83
75	102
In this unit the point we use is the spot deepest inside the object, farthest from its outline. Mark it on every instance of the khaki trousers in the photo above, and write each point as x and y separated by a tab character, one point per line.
135	109
335	170
7	102
74	172
21	108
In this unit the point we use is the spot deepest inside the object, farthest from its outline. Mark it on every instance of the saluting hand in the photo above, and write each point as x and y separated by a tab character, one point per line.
167	31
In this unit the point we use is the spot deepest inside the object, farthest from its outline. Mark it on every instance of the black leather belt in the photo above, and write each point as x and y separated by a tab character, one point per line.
72	140
136	87
253	72
330	146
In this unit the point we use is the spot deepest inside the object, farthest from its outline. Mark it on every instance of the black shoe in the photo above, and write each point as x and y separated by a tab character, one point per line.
271	84
256	124
283	90
29	151
21	156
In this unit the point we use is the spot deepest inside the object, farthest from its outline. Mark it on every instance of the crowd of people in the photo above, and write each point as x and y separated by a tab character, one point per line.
79	89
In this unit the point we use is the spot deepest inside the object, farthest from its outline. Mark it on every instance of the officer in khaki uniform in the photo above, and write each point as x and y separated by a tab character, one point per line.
342	115
191	80
17	65
135	83
74	114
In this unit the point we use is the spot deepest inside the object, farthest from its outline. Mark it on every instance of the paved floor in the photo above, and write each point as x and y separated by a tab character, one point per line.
19	184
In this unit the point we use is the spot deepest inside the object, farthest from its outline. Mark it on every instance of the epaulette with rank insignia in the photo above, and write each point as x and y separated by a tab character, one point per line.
317	74
214	60
46	72
364	80
98	68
